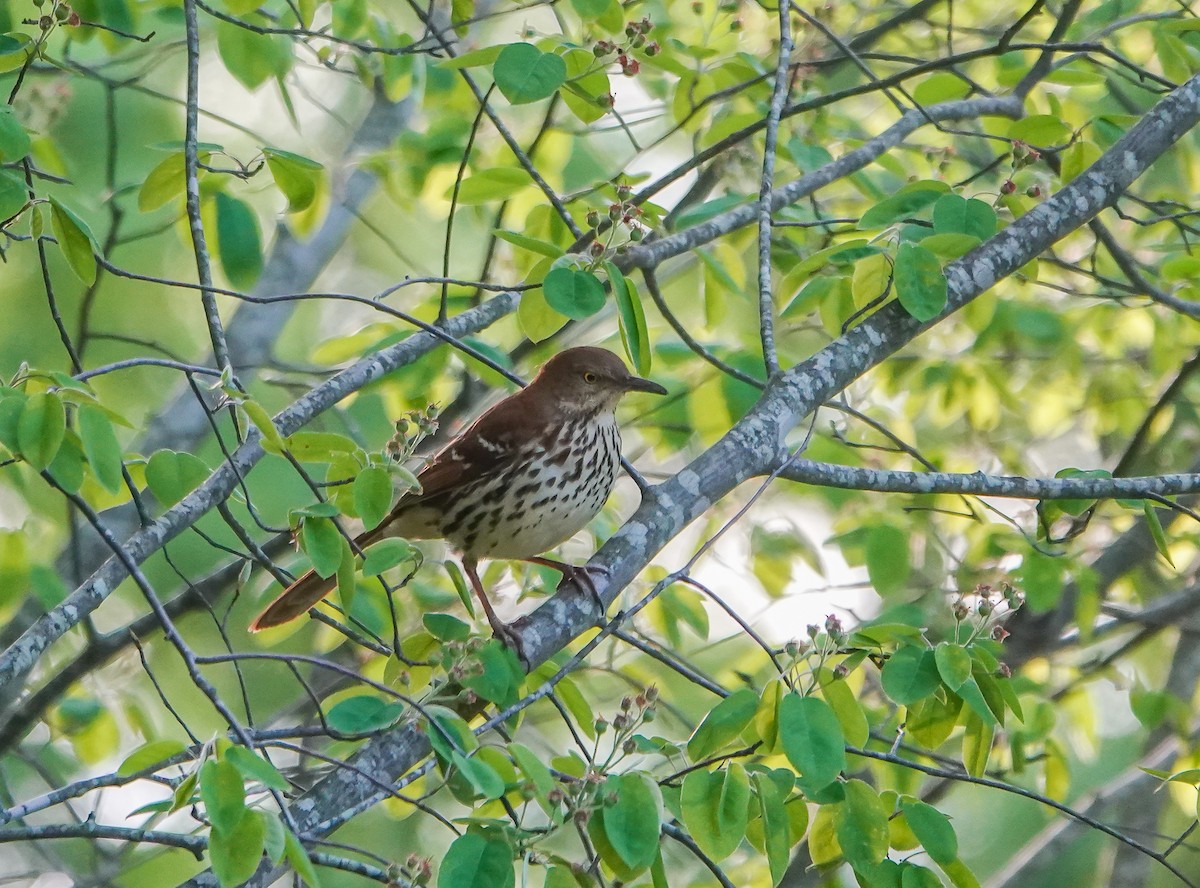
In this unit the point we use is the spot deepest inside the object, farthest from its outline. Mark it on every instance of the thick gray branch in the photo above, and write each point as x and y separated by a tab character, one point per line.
980	484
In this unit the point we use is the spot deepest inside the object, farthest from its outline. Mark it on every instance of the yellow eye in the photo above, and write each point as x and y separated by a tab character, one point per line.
589	377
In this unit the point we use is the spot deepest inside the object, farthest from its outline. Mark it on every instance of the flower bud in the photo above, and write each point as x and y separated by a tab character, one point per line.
629	747
635	234
593	219
1008	186
626	703
601	725
597	248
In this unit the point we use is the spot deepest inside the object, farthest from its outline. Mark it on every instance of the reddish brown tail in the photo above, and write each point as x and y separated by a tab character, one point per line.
295	600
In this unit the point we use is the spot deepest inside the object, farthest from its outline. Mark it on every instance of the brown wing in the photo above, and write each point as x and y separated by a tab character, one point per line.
480	449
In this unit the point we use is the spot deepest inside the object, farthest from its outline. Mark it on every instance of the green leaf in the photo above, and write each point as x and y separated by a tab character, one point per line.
319	446
363	714
632	319
235	853
475	861
172	475
920	282
959	874
953	664
14	141
299	860
67	465
776	825
955	214
537	319
862	825
1156	531
100	445
41	426
715	806
15	48
446	627
977	743
272	441
633	822
323	543
942	86
473	59
533	768
723	724
574	293
495	183
297	177
184	792
845	706
275	843
903	205
482	776
13	195
910	674
812	739
1043	130
223	793
590	9
1041	577
149	754
913	876
384	555
239	241
252	58
532	244
501	677
75	240
254	767
525	74
888	565
932	828
164	183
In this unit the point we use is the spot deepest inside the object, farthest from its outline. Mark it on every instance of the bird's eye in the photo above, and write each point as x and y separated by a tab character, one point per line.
589	377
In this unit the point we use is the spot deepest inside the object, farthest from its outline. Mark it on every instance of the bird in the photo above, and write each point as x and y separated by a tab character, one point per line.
528	474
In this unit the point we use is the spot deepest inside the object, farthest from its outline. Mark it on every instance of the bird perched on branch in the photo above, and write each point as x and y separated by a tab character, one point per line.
530	473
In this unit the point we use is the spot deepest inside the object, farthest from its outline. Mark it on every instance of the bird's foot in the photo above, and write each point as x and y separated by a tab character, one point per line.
511	639
582	576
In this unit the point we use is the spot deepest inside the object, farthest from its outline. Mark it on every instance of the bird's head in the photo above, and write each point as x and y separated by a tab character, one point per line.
590	379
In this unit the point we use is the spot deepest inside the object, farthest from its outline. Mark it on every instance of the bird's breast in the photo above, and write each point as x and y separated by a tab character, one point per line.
548	494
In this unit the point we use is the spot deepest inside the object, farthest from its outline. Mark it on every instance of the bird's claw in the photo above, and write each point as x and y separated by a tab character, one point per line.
581	576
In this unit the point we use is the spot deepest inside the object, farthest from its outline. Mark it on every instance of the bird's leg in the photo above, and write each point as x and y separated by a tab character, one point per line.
580	575
501	629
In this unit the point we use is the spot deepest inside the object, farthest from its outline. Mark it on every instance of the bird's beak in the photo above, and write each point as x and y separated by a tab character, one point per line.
637	384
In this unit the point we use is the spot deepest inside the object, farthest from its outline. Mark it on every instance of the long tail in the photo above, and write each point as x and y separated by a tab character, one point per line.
295	600
306	592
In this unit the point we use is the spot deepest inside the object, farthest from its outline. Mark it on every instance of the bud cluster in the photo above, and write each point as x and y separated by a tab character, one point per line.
1023	155
623	213
636	38
60	13
981	609
411	429
416	870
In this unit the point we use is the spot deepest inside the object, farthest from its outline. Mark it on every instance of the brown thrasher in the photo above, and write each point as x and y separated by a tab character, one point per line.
530	473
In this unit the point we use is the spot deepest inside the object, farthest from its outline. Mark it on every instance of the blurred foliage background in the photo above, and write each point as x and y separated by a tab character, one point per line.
356	175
